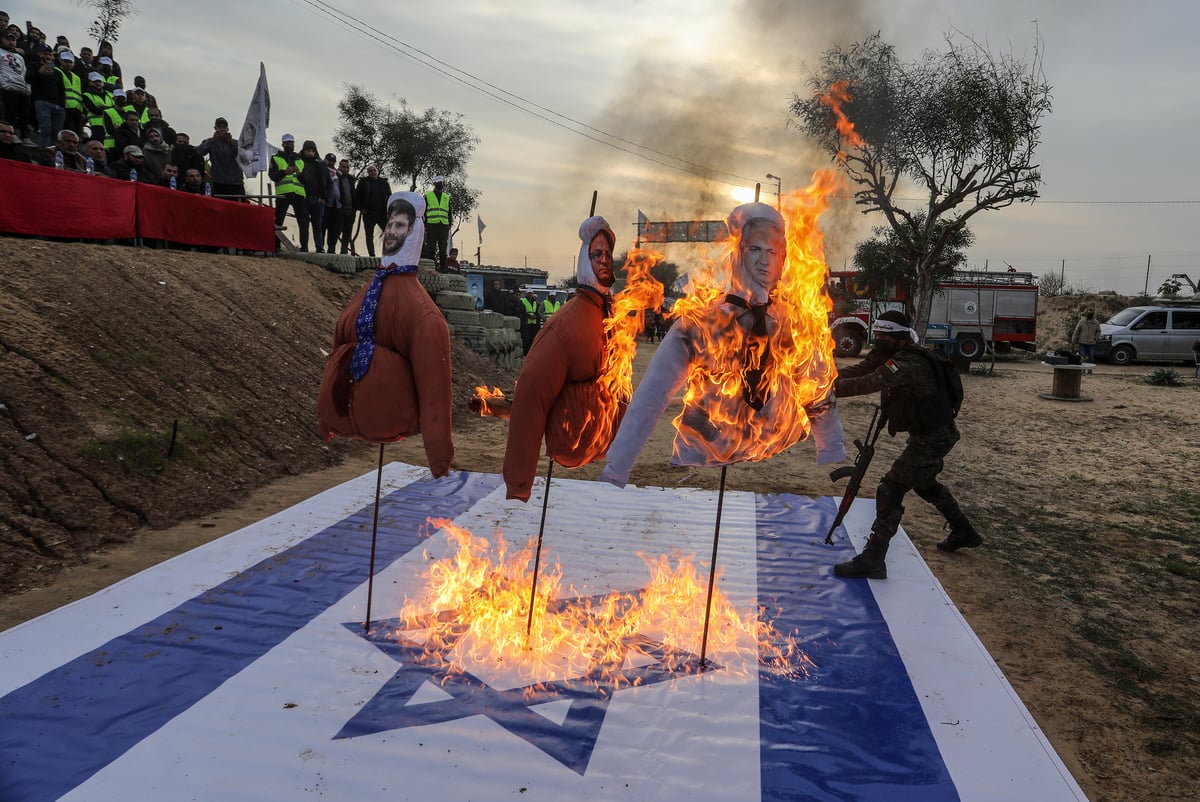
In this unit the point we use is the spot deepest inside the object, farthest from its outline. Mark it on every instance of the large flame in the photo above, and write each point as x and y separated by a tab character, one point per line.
800	372
837	96
642	291
597	411
475	610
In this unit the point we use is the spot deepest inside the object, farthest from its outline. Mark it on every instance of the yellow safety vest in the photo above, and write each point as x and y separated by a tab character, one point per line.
550	307
437	211
289	184
73	87
98	117
530	311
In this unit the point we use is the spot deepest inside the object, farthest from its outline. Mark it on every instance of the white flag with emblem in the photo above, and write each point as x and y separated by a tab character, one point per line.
253	151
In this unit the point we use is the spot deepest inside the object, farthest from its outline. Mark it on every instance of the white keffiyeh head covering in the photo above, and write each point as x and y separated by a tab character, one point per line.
588	230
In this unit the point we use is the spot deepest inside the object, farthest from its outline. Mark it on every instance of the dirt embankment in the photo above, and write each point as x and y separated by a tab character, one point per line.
142	387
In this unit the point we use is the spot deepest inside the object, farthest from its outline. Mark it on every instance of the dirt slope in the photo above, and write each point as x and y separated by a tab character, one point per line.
109	355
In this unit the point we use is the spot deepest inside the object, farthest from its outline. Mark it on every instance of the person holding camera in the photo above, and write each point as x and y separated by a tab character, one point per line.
222	152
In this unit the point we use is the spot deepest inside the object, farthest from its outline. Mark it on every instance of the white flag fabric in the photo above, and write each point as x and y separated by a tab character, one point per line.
481	228
242	670
253	150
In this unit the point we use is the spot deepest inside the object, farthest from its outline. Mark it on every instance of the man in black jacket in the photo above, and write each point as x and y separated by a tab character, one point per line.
184	155
341	226
130	160
48	95
317	189
370	198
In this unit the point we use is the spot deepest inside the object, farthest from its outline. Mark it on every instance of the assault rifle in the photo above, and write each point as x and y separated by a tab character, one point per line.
857	471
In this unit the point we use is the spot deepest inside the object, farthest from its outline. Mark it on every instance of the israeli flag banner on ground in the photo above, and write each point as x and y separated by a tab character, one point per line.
242	670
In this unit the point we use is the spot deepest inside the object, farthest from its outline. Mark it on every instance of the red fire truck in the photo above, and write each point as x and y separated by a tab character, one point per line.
970	312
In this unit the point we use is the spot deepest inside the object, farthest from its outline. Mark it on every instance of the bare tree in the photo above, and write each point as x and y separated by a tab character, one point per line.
961	126
109	16
1052	283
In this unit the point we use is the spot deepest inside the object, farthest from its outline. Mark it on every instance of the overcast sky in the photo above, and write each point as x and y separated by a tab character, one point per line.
707	82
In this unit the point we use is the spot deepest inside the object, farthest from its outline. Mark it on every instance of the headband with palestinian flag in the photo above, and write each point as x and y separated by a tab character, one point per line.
888	327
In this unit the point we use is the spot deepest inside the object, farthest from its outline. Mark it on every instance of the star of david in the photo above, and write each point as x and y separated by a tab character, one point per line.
570	743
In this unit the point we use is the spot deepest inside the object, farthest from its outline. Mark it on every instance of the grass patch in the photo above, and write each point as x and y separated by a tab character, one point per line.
144	453
1180	566
1164	377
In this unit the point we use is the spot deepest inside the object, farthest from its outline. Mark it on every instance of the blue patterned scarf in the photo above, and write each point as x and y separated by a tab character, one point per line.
364	328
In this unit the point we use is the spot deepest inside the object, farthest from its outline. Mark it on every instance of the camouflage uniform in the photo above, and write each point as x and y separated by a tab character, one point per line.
912	401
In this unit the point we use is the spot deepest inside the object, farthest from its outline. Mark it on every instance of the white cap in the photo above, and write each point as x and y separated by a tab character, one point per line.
66	55
288	138
106	60
437	179
95	76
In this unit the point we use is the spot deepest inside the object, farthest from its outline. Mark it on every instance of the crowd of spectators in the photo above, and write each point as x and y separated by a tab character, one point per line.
74	111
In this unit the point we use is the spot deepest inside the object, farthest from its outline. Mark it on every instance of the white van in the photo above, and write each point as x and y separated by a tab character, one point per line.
1164	333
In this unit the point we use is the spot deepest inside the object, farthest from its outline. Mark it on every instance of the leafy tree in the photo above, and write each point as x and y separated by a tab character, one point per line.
109	16
889	258
408	146
961	126
1171	288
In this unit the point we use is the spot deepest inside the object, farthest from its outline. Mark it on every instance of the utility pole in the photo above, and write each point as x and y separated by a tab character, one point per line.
1146	289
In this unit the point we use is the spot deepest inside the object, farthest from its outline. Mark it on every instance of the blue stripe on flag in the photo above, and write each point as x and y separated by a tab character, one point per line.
854	729
88	712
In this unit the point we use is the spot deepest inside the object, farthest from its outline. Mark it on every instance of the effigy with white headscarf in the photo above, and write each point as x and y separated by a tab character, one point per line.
560	396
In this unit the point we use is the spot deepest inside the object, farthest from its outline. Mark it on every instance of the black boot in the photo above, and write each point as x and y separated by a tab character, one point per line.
962	536
870	564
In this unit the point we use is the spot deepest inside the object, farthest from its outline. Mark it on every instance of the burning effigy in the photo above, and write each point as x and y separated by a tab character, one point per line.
577	378
750	347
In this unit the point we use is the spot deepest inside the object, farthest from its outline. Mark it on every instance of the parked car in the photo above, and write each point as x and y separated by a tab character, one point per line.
1164	333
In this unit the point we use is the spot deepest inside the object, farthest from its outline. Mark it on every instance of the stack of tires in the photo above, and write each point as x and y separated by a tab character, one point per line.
486	333
502	340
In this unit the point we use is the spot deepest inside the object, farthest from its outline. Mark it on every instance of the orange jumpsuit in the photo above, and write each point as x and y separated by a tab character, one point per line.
559	395
407	389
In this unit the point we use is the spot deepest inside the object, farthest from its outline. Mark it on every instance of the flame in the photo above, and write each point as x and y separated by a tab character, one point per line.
838	95
598	410
483	395
642	291
716	421
475	609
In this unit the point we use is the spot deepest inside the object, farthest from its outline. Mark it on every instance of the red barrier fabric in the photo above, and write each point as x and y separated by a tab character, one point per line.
177	216
41	201
58	203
